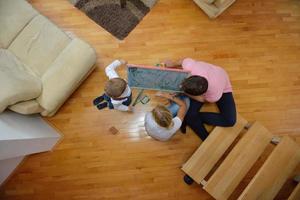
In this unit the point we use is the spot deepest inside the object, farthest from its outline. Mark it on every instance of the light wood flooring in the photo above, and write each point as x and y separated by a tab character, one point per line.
256	41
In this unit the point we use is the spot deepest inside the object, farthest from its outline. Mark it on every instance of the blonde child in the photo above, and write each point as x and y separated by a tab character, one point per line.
162	122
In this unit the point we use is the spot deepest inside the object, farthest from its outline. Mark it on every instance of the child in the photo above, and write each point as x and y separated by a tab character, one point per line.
162	123
117	93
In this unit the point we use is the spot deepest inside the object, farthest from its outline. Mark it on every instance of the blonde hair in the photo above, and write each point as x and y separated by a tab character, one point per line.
162	116
115	87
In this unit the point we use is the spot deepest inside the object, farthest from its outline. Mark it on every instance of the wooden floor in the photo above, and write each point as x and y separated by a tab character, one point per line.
256	41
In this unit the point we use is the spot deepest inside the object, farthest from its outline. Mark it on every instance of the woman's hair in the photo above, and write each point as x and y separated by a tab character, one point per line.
194	85
162	116
115	87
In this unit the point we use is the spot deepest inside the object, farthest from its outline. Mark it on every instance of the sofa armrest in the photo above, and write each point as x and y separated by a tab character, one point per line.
209	1
27	107
65	74
205	1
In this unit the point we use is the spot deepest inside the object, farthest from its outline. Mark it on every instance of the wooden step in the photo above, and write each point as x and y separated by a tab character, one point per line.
295	194
238	162
274	172
211	150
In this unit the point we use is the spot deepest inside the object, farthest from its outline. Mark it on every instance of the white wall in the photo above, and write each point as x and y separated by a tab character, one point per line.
7	166
21	135
17	126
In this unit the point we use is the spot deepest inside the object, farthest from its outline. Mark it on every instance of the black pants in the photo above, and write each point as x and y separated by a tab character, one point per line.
111	106
226	118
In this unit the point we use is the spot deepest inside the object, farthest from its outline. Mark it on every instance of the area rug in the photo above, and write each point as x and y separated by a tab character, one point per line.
111	16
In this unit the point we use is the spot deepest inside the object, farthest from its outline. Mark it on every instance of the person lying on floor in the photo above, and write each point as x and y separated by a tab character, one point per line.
117	92
207	83
163	122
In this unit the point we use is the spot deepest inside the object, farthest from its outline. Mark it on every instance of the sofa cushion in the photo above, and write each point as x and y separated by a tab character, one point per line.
26	107
16	83
14	15
39	44
65	74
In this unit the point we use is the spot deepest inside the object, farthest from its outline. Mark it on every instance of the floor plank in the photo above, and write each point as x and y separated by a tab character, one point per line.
257	42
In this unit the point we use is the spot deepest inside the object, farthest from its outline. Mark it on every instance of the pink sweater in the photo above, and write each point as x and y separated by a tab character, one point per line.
218	80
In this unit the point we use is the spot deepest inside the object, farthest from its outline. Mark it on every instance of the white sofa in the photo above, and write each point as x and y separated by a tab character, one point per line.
40	65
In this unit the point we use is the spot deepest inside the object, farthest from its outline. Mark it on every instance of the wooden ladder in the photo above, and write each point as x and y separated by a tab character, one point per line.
268	180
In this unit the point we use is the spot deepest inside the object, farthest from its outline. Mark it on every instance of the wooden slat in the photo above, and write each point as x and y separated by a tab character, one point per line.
295	194
91	163
211	150
238	162
272	175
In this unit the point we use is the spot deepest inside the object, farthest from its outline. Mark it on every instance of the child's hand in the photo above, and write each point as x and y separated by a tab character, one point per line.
130	109
158	94
123	62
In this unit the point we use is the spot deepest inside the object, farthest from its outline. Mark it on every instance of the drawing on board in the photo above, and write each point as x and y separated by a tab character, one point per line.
154	78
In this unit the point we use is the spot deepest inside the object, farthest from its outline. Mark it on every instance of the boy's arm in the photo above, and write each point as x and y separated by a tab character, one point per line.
122	107
110	70
199	98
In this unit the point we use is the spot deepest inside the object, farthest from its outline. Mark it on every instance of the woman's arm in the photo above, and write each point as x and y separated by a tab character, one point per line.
182	111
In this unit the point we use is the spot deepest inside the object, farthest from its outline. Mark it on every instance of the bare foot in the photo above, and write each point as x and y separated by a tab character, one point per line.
130	109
